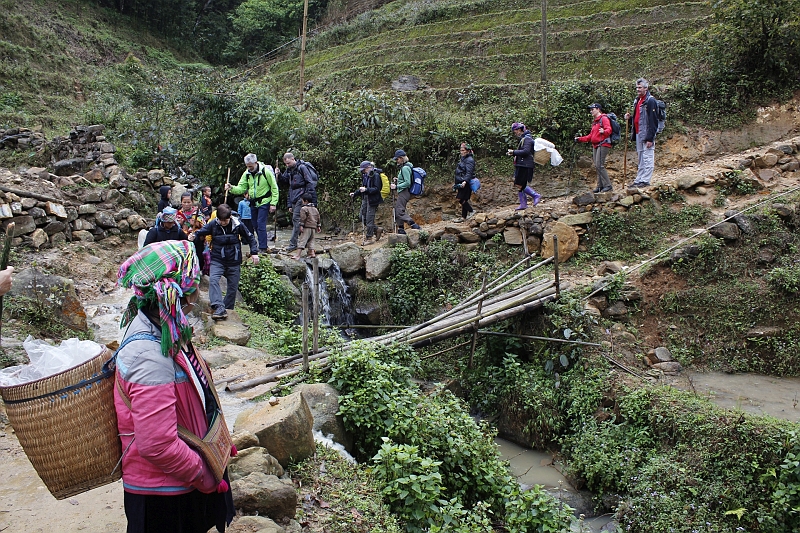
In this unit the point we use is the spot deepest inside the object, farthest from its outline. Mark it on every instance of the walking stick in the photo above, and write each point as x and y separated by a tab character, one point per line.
227	182
394	210
625	157
4	261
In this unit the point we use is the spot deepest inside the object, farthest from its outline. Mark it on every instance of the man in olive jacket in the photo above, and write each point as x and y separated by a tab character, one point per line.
259	182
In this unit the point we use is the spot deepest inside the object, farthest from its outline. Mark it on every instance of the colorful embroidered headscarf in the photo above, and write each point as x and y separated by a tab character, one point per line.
162	272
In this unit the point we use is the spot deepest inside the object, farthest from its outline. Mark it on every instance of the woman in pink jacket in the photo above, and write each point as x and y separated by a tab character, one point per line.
600	137
161	383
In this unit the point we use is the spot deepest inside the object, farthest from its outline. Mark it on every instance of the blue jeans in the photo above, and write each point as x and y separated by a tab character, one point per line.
261	219
231	274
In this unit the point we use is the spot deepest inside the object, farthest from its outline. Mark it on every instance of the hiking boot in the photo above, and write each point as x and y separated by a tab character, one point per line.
597	189
415	226
368	241
401	231
290	249
607	189
220	314
378	233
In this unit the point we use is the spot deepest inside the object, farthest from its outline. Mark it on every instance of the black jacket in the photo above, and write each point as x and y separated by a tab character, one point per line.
373	183
300	179
523	155
158	234
164	191
651	116
465	170
226	241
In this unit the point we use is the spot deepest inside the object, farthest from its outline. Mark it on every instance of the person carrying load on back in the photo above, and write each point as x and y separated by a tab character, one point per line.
402	184
370	193
301	178
644	123
259	182
465	173
163	386
523	166
600	137
166	228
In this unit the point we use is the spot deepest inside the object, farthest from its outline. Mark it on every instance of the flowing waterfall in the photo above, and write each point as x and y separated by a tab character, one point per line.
335	304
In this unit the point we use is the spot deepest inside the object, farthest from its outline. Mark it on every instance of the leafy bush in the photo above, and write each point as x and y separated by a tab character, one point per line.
787	489
435	460
264	290
785	279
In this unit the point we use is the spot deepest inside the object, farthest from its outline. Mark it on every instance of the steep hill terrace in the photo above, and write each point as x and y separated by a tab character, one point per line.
584	39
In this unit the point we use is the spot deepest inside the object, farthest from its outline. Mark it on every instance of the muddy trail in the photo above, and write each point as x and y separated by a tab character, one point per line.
26	505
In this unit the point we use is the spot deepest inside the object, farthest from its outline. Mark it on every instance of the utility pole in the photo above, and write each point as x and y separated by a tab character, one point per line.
544	40
303	53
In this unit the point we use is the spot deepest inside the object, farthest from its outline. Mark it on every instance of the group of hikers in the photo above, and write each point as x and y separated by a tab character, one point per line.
218	236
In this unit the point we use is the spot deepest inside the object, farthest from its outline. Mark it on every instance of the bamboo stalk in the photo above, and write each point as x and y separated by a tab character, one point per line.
274	376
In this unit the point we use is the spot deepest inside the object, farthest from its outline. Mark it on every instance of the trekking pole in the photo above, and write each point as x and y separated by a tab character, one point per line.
625	157
571	167
227	182
353	217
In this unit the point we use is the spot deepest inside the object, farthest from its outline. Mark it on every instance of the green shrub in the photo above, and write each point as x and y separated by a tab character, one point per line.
411	483
525	509
785	279
787	490
264	290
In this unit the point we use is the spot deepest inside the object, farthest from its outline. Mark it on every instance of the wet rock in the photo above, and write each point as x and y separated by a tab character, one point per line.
368	314
284	429
266	495
348	257
292	268
323	400
726	230
567	242
378	264
253	459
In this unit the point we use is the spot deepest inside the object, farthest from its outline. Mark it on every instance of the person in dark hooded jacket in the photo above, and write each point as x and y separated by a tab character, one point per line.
164	191
523	166
370	193
465	172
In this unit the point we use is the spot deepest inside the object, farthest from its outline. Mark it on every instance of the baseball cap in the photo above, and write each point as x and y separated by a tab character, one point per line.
517	126
399	153
595	106
366	164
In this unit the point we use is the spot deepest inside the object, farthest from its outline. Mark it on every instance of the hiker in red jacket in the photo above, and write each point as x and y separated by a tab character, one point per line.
600	137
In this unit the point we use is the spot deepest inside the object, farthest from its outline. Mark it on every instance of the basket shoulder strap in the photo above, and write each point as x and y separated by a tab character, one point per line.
135	337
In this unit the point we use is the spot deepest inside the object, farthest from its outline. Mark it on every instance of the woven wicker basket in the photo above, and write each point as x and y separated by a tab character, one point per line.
542	157
67	426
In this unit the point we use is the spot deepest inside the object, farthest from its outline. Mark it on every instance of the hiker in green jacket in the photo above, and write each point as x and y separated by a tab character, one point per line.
259	182
403	184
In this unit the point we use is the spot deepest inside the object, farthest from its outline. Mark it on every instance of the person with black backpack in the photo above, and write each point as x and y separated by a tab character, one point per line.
302	178
370	193
600	137
259	182
644	122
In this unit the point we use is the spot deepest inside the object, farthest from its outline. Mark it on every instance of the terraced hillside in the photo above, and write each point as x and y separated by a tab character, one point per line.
451	44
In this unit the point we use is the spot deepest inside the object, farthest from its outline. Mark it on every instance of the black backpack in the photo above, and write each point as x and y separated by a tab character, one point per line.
615	129
309	166
661	113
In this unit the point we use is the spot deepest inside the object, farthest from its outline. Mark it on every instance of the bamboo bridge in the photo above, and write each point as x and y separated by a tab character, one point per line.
504	297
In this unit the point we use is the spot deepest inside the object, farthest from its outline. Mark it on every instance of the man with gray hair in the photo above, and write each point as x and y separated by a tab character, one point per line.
644	125
301	178
259	182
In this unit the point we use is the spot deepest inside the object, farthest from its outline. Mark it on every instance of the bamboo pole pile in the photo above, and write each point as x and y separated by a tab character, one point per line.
485	307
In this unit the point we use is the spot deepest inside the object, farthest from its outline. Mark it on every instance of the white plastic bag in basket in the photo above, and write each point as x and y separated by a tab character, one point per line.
47	360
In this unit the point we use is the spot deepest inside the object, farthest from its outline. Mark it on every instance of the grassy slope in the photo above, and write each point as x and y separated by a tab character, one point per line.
51	54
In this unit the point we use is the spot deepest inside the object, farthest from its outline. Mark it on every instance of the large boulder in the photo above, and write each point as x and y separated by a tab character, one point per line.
348	257
726	230
284	429
567	242
54	292
266	495
291	267
379	264
251	460
22	225
323	400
